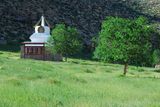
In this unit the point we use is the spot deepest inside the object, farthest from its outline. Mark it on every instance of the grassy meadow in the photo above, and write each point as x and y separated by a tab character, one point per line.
76	83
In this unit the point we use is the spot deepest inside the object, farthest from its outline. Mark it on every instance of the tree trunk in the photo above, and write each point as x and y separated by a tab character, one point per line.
125	69
66	58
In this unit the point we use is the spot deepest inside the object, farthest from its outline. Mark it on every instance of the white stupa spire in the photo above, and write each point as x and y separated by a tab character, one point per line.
42	31
42	21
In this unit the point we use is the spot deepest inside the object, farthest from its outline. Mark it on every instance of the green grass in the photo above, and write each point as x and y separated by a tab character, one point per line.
76	83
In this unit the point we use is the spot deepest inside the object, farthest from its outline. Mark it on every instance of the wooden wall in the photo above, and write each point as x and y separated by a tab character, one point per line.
38	53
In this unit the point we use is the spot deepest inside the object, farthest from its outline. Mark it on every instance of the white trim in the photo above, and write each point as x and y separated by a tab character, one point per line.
34	45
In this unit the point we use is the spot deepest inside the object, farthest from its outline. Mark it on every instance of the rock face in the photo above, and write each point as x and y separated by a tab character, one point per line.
19	16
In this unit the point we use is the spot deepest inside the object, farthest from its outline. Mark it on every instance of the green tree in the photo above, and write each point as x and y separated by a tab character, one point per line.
123	40
64	40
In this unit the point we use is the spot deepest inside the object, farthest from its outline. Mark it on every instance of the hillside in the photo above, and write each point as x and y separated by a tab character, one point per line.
76	83
151	7
18	17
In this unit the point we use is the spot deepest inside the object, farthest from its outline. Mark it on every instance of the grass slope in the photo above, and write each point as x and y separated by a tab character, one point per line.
77	83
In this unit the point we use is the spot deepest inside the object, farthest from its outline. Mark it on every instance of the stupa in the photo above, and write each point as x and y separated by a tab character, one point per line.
35	49
42	31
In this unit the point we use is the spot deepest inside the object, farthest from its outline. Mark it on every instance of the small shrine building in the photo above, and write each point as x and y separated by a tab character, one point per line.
35	49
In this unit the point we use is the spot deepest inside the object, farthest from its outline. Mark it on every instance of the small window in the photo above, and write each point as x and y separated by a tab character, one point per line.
39	51
41	29
30	50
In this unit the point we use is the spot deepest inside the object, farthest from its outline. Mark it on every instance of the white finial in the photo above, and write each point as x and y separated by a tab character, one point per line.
42	21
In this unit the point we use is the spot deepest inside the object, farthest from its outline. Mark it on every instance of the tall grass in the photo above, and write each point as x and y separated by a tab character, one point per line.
31	83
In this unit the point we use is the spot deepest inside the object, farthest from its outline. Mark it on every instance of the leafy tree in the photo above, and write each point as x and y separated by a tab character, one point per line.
123	40
64	40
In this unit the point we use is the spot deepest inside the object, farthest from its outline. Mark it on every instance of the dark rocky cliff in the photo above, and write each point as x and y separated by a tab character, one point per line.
17	17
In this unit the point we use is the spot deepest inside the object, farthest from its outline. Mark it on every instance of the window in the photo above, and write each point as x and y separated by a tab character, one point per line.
41	29
34	50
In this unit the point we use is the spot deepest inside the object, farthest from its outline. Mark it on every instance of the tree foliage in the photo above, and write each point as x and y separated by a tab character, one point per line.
64	40
124	40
